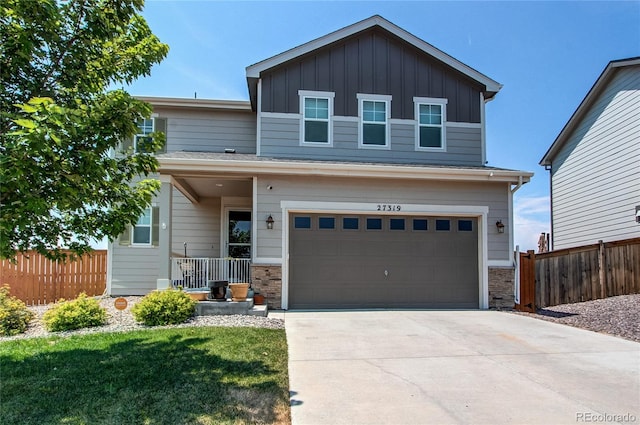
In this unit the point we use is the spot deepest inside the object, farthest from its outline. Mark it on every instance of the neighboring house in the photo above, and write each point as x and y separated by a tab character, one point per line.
594	163
354	177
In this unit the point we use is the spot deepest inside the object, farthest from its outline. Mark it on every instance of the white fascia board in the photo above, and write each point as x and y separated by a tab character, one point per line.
584	107
253	71
199	167
174	102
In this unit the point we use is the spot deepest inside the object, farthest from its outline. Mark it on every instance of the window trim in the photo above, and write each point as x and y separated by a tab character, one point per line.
311	94
142	133
417	101
362	97
149	226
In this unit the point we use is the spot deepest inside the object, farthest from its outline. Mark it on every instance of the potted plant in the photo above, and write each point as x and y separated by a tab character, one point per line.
239	291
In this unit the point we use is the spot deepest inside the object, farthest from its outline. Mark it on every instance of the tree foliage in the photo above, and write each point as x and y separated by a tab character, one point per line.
61	183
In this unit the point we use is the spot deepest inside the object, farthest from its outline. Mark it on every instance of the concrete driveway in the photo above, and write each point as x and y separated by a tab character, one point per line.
464	367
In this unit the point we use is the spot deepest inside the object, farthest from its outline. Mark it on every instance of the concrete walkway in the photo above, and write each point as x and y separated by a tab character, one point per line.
456	367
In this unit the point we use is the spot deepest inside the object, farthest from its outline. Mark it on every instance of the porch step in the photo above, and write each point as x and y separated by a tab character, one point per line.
212	308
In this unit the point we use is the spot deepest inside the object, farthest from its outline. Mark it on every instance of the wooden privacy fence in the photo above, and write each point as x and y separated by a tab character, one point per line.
36	280
587	273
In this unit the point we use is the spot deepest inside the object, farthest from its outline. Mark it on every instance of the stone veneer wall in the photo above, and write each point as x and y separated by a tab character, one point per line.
501	287
267	280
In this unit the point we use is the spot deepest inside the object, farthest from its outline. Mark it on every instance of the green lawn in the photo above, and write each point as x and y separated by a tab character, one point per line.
165	376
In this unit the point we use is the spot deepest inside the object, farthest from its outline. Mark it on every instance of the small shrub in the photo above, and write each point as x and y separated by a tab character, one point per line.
83	312
168	307
14	315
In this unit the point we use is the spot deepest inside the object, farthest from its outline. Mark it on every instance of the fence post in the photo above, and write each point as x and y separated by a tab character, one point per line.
602	275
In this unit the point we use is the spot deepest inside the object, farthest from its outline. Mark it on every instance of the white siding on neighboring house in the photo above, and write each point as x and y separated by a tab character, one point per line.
596	175
495	196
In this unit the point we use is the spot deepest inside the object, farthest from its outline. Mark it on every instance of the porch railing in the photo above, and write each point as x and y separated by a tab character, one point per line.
195	272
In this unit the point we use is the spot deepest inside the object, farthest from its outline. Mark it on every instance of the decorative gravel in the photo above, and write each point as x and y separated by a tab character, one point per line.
121	321
619	316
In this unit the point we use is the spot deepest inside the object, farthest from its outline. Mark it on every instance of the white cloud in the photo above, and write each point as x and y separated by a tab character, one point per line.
531	217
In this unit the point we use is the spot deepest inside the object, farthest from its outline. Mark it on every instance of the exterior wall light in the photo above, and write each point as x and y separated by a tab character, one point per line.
638	214
269	222
500	226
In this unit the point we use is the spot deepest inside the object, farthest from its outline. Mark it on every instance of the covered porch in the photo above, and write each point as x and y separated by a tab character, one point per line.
206	229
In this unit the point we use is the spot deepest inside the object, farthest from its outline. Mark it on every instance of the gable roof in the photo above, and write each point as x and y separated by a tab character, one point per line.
591	97
491	87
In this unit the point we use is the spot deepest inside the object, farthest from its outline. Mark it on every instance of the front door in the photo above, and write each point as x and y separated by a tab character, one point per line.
239	234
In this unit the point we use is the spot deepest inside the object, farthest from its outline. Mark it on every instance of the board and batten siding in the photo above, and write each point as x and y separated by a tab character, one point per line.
280	137
373	61
318	189
209	131
596	175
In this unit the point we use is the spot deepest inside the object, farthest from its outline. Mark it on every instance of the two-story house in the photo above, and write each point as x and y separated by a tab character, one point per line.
353	177
594	163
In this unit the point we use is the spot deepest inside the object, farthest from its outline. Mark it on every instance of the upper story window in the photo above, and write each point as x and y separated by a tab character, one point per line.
430	116
142	140
374	111
316	109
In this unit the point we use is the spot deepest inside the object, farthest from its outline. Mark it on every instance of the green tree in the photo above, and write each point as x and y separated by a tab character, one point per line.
61	183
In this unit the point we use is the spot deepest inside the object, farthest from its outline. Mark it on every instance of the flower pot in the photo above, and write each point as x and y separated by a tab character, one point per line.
239	291
258	299
198	295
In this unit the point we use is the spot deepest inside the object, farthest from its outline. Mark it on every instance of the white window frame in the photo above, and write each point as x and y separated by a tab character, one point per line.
417	101
309	94
150	226
144	134
362	97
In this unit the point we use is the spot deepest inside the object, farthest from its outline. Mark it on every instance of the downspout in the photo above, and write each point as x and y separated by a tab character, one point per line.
518	186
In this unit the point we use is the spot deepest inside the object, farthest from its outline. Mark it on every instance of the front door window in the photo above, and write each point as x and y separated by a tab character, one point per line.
239	236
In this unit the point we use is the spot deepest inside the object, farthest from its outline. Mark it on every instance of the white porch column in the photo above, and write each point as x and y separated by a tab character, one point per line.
165	201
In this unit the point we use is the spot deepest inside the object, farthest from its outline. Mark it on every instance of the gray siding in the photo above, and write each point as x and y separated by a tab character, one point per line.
196	224
495	196
280	137
596	176
374	62
135	269
209	131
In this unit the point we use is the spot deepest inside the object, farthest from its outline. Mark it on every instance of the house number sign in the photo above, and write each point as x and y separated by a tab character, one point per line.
389	207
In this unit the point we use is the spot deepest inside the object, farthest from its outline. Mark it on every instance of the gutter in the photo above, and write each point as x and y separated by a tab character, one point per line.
202	167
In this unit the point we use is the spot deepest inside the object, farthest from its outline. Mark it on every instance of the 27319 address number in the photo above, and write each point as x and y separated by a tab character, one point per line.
389	207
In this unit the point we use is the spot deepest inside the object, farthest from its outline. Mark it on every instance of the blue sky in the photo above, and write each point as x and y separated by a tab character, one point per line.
546	54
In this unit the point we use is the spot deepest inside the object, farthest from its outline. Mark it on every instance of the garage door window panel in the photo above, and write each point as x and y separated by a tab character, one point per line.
350	223
374	223
396	224
443	225
420	224
465	225
302	223
326	223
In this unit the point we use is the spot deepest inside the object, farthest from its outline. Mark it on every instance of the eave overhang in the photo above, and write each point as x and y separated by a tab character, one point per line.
592	96
194	167
253	72
210	104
